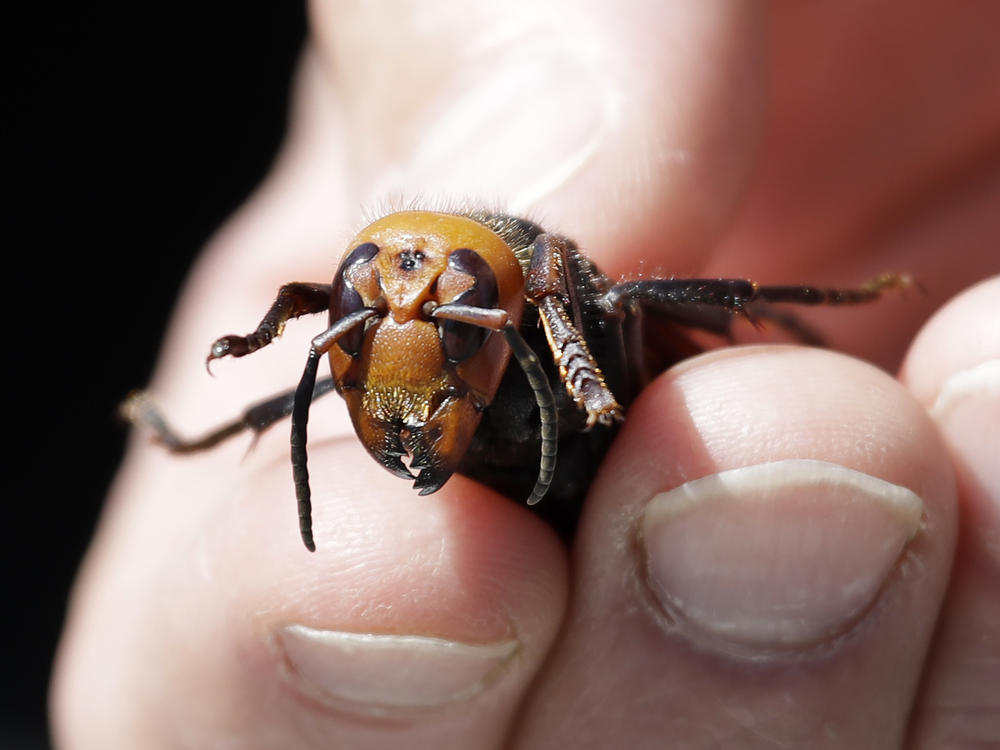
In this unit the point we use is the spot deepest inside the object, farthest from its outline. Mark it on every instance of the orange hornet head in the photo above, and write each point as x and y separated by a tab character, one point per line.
415	385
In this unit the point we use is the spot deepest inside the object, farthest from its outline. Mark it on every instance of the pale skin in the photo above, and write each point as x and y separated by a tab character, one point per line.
817	143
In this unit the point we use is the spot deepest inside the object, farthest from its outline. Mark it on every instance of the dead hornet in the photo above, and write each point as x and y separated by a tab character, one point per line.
425	312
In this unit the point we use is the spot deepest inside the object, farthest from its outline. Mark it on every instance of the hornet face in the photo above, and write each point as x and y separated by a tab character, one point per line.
415	386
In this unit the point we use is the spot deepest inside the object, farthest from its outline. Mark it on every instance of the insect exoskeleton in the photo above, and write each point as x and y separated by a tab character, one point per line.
415	384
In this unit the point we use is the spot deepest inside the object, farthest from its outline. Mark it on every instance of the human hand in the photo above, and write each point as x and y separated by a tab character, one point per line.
799	148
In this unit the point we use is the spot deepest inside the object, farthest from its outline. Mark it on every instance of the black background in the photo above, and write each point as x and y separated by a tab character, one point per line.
133	129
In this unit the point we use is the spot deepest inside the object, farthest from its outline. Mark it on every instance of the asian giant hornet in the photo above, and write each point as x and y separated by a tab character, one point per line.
425	312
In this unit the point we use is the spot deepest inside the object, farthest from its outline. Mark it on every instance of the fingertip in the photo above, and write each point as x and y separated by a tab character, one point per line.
801	451
423	608
772	527
435	609
953	368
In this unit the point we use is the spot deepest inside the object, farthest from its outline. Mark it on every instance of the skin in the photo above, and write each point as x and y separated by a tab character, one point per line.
816	142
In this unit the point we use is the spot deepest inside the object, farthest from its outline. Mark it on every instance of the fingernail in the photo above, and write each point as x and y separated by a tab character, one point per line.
775	556
379	674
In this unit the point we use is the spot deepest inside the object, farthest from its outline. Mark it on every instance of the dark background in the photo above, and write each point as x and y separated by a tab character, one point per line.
133	130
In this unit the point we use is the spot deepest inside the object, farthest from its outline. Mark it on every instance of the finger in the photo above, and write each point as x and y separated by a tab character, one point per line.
781	604
954	369
422	618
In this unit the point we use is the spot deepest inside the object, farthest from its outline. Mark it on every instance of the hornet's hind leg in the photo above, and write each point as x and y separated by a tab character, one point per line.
658	311
140	410
698	302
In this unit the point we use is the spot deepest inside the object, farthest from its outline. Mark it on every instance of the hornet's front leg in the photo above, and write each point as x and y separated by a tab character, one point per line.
293	301
550	288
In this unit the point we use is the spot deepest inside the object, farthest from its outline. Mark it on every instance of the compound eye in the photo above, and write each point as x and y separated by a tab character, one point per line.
461	340
344	298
